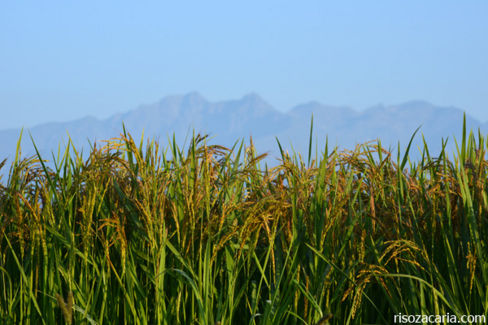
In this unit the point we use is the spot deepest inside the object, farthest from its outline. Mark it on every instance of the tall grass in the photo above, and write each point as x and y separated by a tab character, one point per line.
139	234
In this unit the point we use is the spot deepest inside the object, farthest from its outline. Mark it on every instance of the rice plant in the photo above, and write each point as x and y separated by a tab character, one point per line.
138	233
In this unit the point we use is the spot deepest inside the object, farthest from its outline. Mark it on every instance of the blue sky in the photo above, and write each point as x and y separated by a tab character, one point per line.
63	60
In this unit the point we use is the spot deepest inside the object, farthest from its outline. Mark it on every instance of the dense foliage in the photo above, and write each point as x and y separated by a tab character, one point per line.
209	235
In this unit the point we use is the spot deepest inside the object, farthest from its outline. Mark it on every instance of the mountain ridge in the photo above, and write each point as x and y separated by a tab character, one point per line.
230	120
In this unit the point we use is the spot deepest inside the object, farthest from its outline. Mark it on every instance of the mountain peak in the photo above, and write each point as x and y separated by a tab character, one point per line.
193	97
193	94
253	98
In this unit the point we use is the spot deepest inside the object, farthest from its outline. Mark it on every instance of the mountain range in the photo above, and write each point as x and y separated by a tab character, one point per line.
232	120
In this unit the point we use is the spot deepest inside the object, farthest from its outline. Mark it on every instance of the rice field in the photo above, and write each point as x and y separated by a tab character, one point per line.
139	233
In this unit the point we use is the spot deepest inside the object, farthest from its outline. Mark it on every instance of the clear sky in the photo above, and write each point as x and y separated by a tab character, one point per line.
61	60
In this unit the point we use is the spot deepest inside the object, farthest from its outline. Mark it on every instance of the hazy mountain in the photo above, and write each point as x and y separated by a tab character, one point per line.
228	121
